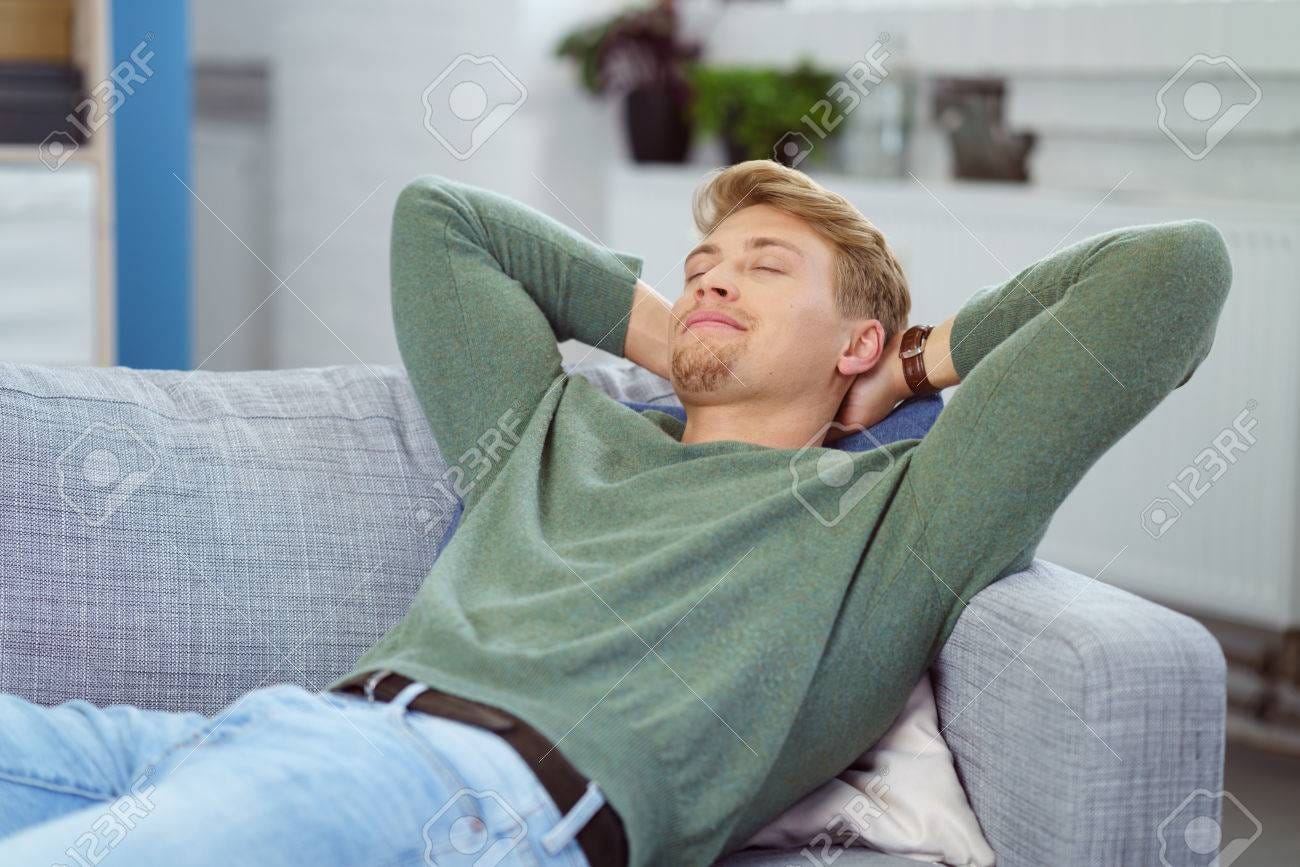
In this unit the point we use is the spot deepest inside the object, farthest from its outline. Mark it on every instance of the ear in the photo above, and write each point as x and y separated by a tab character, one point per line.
862	352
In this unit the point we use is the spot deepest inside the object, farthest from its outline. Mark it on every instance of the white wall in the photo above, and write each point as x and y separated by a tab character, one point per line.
230	173
347	121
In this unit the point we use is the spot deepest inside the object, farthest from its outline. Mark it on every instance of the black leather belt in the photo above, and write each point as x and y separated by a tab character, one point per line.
602	839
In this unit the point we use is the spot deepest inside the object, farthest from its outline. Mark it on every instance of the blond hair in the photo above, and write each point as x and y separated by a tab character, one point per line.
868	280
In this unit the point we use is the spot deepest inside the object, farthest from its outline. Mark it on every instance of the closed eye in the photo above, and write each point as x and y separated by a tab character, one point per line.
757	268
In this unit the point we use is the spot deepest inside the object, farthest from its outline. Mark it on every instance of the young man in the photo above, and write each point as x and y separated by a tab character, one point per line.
647	638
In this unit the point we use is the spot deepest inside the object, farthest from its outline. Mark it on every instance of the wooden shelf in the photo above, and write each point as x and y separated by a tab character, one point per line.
30	153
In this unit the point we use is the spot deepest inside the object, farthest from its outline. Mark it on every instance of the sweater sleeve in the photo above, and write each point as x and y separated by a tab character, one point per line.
1122	256
483	287
1058	364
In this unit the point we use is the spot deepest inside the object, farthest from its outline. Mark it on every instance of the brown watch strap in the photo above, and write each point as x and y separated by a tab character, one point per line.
910	351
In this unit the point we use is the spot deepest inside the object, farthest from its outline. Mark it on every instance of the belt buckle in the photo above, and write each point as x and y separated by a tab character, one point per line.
373	680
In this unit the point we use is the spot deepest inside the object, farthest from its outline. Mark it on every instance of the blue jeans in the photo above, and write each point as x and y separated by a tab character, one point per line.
282	776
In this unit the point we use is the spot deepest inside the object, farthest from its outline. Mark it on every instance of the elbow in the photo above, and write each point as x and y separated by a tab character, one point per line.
1194	259
1193	256
427	210
425	195
1212	264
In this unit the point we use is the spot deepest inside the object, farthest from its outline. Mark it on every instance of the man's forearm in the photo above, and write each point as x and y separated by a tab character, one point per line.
650	330
937	355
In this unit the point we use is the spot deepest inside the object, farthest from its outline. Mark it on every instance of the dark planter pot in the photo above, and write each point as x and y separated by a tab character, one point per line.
657	130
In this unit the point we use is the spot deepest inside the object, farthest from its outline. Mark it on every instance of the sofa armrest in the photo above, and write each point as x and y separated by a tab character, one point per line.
1081	717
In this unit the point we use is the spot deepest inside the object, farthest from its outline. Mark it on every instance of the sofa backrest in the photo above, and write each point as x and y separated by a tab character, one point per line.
172	540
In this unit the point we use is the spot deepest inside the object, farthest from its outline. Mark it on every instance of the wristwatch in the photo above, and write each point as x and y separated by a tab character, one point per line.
910	351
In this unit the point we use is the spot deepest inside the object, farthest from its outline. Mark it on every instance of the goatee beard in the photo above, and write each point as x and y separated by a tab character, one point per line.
698	367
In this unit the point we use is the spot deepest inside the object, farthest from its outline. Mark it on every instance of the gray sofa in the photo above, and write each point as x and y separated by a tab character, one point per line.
173	540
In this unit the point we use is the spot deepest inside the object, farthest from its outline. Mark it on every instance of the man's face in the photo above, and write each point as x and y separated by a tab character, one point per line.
771	274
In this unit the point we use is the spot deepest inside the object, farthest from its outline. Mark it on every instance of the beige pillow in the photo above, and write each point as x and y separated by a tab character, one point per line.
891	799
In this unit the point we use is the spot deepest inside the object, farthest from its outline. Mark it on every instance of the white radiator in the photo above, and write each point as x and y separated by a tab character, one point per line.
1224	540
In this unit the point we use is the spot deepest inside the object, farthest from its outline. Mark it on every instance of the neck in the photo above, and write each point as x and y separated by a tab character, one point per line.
779	423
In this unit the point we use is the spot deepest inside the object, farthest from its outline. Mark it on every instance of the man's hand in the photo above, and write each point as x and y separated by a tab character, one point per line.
874	394
650	331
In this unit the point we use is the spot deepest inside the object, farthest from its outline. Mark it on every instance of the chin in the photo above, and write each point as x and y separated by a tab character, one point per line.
701	370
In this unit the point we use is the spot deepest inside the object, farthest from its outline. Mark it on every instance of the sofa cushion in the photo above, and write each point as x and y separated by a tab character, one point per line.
174	540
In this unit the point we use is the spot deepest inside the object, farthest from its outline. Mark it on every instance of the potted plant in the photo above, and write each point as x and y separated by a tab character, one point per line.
983	148
754	109
638	53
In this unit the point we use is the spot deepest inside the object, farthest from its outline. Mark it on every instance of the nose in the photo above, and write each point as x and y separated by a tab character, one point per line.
714	287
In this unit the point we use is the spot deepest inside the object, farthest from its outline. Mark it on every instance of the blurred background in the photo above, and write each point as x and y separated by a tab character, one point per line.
208	184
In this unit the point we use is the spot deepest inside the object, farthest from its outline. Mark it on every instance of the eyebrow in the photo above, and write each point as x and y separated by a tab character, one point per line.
751	244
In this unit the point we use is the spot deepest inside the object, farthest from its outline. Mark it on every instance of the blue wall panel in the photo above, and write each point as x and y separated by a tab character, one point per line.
149	56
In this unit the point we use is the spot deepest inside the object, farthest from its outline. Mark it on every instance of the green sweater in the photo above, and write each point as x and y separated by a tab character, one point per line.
675	616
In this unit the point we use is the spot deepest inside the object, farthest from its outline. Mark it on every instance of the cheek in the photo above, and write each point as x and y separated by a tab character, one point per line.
802	334
803	324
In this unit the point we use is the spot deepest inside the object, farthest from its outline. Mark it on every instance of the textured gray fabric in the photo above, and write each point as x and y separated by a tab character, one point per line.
1139	680
281	522
173	540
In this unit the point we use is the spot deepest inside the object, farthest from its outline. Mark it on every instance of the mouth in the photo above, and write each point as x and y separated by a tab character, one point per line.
712	320
712	325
